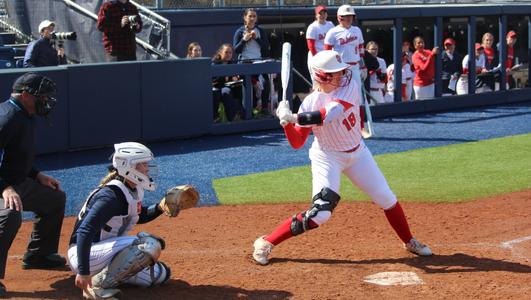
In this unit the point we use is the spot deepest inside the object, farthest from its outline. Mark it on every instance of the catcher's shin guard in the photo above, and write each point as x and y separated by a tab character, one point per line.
324	203
144	252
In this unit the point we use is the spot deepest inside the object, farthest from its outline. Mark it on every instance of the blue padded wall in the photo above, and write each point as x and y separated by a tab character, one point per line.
177	99
104	104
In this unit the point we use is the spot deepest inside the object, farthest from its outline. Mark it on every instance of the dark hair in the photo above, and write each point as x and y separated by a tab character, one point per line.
247	11
217	55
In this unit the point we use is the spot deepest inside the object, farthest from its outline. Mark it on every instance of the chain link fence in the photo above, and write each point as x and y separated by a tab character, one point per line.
183	4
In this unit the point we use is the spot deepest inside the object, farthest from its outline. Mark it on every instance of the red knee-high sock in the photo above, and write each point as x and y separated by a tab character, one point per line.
283	232
398	221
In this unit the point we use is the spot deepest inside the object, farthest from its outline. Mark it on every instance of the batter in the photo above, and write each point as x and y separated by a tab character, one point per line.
332	113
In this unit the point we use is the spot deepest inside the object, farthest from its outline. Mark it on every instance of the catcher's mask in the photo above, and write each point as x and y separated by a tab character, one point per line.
125	159
325	64
41	87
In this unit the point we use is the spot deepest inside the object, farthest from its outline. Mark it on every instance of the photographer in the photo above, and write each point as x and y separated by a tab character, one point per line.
119	21
43	52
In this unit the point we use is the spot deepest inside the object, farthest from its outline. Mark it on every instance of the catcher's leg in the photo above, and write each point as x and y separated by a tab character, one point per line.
142	253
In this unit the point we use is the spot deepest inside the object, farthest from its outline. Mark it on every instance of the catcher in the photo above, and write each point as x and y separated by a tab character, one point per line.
101	254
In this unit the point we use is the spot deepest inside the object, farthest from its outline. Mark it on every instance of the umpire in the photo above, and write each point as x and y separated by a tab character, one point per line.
23	187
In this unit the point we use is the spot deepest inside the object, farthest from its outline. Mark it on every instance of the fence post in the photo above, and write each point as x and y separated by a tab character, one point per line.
437	41
502	29
397	58
471	55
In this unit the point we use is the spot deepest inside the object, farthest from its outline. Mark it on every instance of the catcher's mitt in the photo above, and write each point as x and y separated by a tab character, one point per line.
178	198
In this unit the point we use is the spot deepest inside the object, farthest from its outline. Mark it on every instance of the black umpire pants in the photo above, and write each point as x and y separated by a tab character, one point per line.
49	208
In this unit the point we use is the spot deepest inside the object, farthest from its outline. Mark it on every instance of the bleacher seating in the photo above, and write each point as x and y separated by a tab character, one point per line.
7	57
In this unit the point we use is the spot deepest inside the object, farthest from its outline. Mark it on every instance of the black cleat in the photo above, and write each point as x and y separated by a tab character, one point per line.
52	261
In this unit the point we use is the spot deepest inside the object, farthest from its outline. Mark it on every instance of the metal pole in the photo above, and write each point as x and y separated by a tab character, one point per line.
471	54
437	41
503	50
397	58
528	48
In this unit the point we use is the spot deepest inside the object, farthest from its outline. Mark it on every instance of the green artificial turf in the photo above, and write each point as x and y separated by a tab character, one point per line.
444	174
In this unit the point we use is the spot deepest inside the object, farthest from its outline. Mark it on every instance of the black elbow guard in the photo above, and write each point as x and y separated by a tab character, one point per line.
310	118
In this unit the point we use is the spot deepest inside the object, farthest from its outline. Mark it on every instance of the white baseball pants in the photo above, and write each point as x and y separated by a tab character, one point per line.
359	166
103	252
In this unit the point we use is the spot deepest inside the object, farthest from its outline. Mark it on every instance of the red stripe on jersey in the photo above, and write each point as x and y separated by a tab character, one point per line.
345	104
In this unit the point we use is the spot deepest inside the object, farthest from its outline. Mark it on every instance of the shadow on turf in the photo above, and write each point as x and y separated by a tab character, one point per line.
454	263
173	289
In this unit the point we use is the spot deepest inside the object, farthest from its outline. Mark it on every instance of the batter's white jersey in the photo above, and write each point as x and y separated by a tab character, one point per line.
344	132
317	32
347	41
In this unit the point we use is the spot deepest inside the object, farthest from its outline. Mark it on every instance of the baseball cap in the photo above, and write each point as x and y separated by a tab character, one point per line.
320	8
478	46
511	34
45	24
449	41
346	10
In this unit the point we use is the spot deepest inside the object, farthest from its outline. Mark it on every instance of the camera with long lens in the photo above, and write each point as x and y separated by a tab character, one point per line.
62	36
133	20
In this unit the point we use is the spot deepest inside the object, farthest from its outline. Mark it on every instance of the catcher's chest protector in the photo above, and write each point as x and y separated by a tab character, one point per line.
121	225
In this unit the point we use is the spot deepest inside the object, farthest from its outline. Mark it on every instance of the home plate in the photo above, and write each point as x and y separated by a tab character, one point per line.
394	278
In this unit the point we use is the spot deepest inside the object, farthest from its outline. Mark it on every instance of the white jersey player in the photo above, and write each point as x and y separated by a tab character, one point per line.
316	32
332	113
101	254
462	82
347	40
377	77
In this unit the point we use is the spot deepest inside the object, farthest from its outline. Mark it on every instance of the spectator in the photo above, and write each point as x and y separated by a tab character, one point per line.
194	50
451	67
226	89
462	83
120	22
316	32
424	63
406	47
23	187
250	41
511	57
101	253
377	77
492	62
42	52
251	44
406	71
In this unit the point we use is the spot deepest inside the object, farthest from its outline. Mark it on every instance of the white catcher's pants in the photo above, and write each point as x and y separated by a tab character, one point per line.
101	255
359	166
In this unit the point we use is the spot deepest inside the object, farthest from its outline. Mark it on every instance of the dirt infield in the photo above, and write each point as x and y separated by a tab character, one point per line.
483	251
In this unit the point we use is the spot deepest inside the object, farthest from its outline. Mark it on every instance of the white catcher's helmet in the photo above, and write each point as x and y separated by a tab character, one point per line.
327	62
125	158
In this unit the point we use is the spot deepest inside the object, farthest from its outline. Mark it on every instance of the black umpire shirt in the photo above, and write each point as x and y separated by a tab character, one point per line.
16	144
